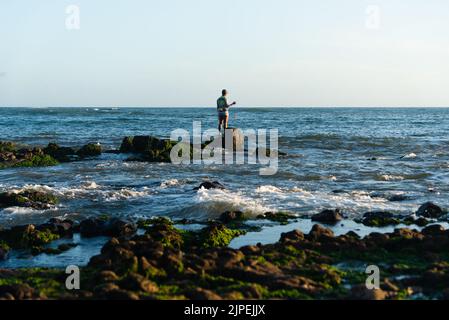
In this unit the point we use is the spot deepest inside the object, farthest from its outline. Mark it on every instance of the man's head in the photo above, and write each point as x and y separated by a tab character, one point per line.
224	92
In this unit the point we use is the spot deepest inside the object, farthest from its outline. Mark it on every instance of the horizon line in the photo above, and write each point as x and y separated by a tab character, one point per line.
212	107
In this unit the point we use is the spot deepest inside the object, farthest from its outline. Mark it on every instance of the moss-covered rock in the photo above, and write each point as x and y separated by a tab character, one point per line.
147	148
27	237
28	198
380	219
216	235
168	263
281	217
13	157
61	154
90	150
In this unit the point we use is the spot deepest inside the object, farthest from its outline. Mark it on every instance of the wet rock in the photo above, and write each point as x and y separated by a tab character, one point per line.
232	216
127	145
163	231
12	156
136	282
26	237
433	230
430	210
318	233
238	139
90	150
408	234
217	235
94	227
379	219
210	185
148	148
398	198
328	216
281	217
119	228
62	227
18	291
421	222
292	236
28	198
352	234
62	154
107	276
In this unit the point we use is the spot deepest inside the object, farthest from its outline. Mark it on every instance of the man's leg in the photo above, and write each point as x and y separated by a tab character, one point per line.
220	120
226	121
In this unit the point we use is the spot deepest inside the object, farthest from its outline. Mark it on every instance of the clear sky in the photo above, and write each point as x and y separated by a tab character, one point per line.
266	52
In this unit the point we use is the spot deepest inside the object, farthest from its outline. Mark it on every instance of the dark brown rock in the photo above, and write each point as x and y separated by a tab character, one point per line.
328	216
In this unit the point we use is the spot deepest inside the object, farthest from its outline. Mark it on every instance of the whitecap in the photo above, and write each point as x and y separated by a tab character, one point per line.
409	156
211	203
389	177
169	183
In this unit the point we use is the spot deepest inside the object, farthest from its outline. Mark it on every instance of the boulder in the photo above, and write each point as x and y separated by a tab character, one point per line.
232	216
62	154
136	282
90	150
430	210
328	216
238	139
292	236
433	230
94	227
28	198
210	185
62	227
379	219
18	291
148	148
318	232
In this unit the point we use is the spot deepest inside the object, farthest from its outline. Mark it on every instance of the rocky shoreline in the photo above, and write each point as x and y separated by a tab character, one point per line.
154	259
158	258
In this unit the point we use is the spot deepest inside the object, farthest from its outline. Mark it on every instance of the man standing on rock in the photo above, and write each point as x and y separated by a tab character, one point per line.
222	108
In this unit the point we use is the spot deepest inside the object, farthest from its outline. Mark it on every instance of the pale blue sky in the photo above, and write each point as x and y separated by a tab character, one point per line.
182	53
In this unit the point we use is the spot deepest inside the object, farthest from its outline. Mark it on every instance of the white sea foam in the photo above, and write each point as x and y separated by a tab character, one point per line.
22	210
208	204
268	189
389	177
169	183
90	189
409	156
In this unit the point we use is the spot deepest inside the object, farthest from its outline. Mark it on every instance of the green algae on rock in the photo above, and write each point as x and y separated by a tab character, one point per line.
90	150
28	198
13	156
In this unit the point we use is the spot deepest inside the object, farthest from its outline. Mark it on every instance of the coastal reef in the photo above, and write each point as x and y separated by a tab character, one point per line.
13	155
163	261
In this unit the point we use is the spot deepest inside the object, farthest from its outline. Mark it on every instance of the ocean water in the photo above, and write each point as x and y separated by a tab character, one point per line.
329	163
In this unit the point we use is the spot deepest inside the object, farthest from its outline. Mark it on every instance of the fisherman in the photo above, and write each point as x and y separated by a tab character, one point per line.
223	110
